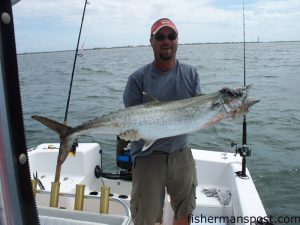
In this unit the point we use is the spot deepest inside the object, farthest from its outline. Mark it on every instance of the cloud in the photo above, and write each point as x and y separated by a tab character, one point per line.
275	20
54	24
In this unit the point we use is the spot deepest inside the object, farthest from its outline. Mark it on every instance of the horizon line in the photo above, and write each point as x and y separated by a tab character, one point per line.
138	46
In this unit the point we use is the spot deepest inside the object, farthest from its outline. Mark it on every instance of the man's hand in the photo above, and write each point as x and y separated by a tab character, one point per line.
130	135
232	92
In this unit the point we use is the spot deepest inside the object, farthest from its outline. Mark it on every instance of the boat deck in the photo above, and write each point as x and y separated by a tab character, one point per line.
215	170
53	216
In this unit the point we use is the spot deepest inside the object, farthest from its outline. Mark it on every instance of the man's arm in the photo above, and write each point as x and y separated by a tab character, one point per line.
197	89
133	93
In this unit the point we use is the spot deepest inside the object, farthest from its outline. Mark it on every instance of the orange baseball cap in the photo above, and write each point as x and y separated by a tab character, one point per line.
164	22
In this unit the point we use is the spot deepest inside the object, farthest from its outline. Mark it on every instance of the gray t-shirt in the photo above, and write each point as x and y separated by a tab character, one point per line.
181	82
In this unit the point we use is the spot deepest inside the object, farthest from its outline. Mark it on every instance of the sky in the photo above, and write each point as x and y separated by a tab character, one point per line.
53	25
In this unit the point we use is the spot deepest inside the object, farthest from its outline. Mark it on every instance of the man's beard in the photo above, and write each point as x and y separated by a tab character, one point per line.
166	56
165	53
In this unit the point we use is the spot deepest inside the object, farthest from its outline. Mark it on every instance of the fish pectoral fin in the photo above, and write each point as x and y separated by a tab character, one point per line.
130	135
147	144
213	121
150	98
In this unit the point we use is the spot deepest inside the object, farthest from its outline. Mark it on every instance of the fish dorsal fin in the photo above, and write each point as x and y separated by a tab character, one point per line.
150	98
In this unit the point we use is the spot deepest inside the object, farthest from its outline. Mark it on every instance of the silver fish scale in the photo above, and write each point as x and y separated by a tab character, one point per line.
157	120
164	119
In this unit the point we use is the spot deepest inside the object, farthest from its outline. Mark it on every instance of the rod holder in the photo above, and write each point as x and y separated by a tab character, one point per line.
54	194
34	186
104	202
79	197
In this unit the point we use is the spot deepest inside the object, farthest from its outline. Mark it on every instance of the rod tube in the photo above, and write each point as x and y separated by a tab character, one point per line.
104	201
54	196
79	197
34	186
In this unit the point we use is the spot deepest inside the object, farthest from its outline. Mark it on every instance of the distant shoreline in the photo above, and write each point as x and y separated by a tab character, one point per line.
139	46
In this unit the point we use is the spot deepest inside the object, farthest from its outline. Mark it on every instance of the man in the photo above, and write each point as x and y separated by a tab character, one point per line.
168	164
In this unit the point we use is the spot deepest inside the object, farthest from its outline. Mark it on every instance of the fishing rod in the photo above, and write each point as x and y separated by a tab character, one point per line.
73	148
243	150
244	139
74	64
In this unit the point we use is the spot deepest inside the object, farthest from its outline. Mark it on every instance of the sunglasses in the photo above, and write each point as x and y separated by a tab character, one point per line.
162	37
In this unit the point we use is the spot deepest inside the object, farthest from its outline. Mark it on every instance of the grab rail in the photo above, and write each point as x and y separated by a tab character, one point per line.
113	199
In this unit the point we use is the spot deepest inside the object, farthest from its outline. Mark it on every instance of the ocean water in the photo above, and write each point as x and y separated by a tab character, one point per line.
100	77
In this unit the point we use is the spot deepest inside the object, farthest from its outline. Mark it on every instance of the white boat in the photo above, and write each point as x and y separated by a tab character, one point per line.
223	197
234	199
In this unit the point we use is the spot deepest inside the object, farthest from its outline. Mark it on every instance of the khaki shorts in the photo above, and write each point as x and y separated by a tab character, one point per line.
157	173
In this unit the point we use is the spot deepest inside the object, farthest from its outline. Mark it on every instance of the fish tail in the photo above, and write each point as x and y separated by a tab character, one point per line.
65	135
59	128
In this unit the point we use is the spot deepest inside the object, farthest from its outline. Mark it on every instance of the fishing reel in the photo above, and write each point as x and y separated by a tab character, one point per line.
243	150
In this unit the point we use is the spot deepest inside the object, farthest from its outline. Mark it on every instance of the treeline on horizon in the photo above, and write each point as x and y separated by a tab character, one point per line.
138	46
